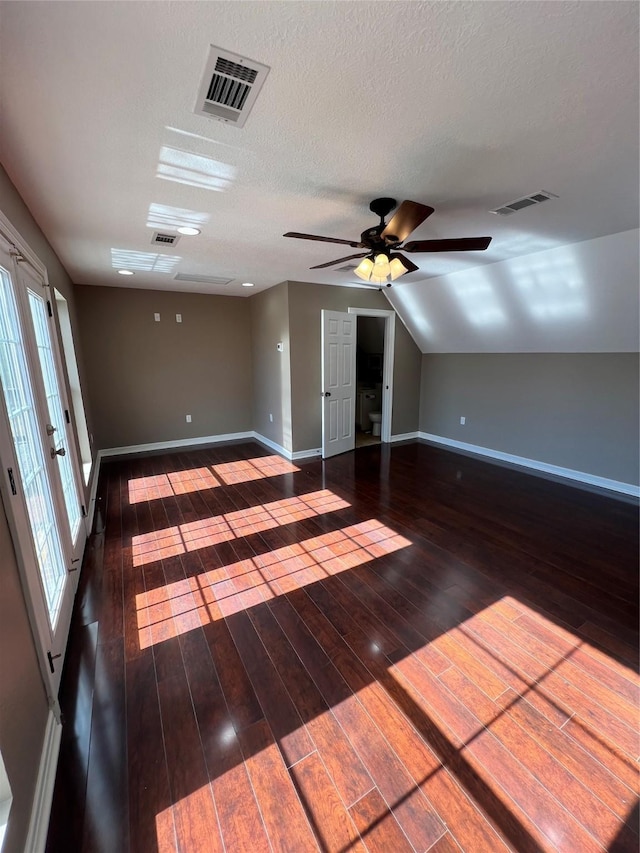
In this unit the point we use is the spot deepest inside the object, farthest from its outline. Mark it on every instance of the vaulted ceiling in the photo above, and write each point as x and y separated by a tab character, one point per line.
463	106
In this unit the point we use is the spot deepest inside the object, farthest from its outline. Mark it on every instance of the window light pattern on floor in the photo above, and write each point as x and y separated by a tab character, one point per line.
199	479
173	541
182	606
458	732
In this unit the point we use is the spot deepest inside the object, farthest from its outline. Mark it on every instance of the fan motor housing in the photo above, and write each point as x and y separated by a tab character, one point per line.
382	206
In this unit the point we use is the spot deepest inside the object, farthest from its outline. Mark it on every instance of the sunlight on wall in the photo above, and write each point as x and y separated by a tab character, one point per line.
551	292
182	606
478	299
198	479
194	535
195	170
143	261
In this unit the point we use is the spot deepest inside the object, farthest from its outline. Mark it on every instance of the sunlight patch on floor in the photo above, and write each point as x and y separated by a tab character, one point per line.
182	606
207	477
206	532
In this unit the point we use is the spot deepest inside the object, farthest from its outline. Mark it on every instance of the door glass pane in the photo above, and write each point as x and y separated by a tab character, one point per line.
56	411
23	421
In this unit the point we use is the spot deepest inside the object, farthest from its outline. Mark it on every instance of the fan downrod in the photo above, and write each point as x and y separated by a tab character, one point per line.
382	206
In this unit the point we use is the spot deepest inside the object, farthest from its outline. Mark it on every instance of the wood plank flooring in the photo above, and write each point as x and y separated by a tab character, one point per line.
399	649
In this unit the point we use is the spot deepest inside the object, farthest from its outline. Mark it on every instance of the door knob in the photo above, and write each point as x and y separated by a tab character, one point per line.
327	393
60	452
51	429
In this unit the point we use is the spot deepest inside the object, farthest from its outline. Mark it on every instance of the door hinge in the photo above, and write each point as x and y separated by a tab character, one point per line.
67	416
51	659
84	512
49	311
12	482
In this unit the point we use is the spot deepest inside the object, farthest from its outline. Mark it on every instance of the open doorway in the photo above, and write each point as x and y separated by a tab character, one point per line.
338	348
375	338
369	373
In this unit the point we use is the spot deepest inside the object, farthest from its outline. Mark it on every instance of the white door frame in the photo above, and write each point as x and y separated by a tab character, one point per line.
387	367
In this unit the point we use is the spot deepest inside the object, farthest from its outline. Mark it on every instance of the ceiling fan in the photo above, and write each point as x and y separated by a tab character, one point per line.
382	260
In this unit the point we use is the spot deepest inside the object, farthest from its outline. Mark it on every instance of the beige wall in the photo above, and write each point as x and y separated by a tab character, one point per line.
575	410
271	369
305	304
23	702
145	377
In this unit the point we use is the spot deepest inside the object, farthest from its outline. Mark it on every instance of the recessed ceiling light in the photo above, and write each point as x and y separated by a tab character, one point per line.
188	230
248	284
125	272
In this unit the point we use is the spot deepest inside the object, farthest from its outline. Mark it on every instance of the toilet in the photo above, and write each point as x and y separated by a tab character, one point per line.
376	422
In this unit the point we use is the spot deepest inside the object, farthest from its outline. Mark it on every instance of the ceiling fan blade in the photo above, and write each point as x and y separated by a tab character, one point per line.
406	219
322	239
339	261
410	266
464	244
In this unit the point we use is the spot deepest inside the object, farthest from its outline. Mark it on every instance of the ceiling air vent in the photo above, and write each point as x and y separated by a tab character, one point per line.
202	279
229	87
521	203
160	238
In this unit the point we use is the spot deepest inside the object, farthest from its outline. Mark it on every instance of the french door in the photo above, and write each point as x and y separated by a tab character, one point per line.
41	476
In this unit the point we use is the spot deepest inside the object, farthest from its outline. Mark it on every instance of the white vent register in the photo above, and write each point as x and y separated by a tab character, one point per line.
230	85
521	203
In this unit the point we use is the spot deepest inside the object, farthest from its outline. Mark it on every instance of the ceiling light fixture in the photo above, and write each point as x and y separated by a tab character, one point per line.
125	272
248	284
188	231
380	268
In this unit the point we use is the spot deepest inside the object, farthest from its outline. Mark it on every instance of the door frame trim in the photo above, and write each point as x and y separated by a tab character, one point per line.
387	365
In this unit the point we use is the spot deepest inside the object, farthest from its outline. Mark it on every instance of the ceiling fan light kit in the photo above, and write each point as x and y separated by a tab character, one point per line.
382	261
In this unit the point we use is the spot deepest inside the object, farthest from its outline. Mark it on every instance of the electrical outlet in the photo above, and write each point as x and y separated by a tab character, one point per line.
270	417
463	421
156	317
188	419
178	318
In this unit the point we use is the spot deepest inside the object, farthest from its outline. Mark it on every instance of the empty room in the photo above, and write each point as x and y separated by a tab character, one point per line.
319	426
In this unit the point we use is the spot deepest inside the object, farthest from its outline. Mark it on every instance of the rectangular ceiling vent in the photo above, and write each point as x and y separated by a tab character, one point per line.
230	85
160	238
521	203
202	279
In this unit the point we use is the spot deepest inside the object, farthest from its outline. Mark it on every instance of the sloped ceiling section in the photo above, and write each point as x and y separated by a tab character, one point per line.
582	297
461	106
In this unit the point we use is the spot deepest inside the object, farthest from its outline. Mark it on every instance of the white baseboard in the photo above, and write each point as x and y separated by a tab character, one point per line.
534	464
306	454
272	445
179	442
91	509
41	809
404	436
292	456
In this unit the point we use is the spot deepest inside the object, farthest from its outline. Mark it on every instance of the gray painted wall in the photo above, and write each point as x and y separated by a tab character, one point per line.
271	369
305	304
575	410
23	702
145	377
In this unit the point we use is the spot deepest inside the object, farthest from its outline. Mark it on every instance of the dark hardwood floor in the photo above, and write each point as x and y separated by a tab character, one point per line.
396	650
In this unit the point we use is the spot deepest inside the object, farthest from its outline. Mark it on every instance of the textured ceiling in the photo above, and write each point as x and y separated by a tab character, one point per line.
460	105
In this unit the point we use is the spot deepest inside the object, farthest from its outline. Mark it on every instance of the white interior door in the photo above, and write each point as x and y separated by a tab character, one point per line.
338	382
41	476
